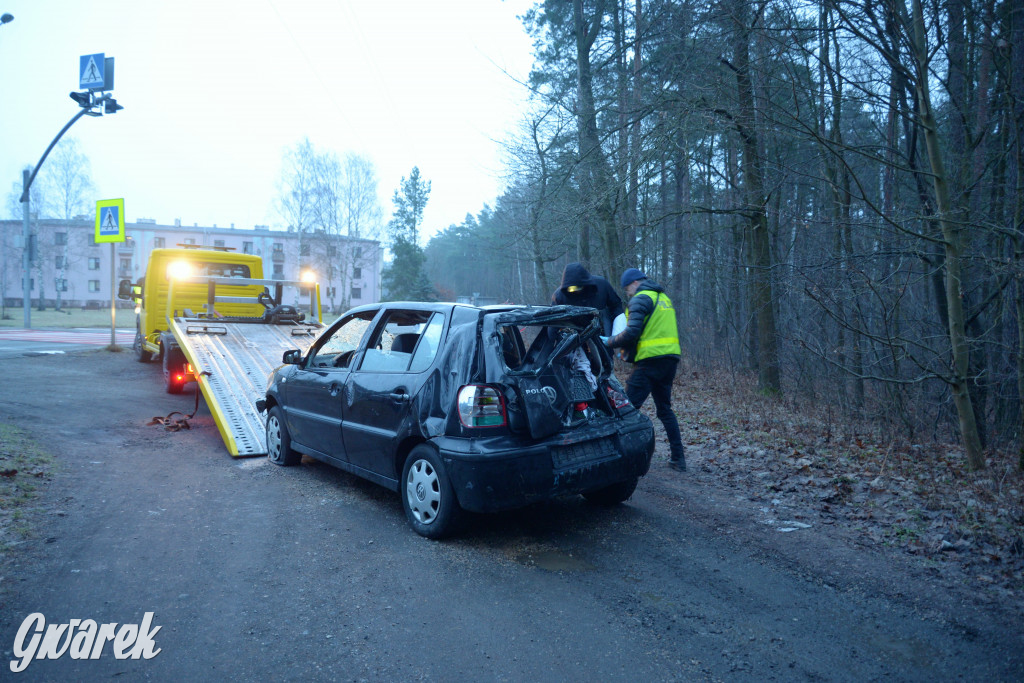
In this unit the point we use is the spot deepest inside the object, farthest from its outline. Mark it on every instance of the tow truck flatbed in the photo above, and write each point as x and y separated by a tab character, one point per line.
231	362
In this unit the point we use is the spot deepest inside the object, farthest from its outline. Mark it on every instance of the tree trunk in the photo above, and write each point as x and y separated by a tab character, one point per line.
761	296
594	183
960	348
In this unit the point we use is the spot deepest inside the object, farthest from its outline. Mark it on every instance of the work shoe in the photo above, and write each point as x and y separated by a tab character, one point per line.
678	464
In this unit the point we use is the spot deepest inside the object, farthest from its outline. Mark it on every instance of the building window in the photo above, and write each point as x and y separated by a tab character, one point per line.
358	252
246	247
94	285
331	292
60	262
278	246
60	238
304	249
158	242
332	250
62	285
357	293
218	243
126	266
279	270
94	263
357	273
189	240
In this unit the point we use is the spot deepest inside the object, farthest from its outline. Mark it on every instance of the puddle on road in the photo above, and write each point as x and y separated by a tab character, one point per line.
555	561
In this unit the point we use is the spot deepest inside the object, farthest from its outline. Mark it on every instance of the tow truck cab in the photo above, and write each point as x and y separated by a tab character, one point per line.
153	307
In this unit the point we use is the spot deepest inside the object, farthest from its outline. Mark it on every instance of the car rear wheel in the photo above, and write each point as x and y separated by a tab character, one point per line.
427	495
279	441
614	494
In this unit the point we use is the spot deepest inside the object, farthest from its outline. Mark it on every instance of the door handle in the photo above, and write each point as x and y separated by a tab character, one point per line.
334	388
399	397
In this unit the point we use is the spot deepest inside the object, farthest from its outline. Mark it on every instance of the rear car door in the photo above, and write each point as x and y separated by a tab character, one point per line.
314	404
382	391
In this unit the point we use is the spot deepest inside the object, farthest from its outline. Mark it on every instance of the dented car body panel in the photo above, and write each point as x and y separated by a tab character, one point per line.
520	403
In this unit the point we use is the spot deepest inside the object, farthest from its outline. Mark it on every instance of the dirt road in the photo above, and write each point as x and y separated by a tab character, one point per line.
255	572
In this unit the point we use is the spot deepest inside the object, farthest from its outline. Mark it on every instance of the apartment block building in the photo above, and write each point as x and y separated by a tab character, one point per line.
68	264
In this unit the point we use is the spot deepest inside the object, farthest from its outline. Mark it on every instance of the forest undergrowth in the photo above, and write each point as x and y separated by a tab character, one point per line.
886	491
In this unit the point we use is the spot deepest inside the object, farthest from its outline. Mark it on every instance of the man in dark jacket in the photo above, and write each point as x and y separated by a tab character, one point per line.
651	329
580	288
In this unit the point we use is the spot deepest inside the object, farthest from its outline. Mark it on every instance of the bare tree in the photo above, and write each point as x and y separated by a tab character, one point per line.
329	203
69	192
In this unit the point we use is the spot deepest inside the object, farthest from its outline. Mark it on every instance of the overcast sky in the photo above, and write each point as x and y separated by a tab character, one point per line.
214	91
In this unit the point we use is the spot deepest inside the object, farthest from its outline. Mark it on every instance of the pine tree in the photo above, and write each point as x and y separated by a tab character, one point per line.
405	279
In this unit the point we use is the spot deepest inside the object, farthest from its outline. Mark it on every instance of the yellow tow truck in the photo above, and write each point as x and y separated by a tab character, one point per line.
210	317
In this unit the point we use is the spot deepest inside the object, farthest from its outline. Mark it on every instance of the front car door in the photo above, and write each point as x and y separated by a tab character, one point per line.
314	404
382	389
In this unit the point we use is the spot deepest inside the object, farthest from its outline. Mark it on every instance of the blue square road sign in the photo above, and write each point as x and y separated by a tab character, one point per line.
91	71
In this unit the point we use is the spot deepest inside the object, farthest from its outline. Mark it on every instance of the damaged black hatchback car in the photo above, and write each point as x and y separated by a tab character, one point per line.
462	408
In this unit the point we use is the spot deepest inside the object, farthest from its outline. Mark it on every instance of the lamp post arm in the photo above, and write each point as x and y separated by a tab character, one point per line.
24	193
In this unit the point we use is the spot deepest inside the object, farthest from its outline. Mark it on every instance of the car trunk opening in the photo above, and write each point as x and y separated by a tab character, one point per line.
555	371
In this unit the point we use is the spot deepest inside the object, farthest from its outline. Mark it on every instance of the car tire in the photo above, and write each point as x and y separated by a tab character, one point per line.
279	441
427	495
614	494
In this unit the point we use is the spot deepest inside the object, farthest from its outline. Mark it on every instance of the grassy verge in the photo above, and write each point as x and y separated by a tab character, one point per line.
68	317
24	468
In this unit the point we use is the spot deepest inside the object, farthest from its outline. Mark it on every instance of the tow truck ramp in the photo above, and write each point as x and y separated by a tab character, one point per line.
232	361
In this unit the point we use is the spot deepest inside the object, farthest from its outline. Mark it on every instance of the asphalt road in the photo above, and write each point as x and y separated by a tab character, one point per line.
255	572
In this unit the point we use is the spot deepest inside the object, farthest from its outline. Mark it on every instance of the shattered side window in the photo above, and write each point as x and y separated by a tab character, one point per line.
429	343
391	348
337	349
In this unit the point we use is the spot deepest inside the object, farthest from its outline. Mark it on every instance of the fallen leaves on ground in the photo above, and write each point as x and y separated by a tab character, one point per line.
915	496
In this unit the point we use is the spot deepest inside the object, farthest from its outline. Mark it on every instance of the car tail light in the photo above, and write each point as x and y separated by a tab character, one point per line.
617	398
481	406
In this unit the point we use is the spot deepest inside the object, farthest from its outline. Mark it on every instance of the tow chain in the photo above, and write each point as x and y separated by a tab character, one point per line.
175	424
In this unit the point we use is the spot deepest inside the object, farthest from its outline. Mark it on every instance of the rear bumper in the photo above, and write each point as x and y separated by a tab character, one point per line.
489	475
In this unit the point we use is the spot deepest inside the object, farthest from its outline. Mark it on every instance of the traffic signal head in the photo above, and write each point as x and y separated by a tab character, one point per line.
110	106
83	99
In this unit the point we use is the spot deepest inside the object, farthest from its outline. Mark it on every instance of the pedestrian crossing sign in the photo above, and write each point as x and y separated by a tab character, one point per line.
109	220
91	71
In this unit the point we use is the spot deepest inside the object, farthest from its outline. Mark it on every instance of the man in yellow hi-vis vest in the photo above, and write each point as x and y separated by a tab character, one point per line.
651	328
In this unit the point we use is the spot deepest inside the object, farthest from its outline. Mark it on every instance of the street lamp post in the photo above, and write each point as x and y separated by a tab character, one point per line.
26	236
87	101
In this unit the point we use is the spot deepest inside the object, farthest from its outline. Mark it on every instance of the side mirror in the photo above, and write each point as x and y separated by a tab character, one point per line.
124	289
292	357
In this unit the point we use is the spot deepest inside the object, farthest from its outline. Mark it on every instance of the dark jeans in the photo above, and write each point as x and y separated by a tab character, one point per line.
653	377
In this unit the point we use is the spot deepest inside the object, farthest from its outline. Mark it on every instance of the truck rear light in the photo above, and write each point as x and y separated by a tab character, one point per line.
481	406
617	398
